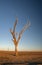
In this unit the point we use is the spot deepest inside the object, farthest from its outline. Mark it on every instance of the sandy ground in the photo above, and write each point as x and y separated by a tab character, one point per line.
23	58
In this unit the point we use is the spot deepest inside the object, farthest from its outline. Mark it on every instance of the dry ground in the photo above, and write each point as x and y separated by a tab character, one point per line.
23	58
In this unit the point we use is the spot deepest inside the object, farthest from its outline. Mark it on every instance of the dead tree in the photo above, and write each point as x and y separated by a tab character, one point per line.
13	32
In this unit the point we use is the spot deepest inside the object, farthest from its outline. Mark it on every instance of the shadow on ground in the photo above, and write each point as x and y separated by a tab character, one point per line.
28	63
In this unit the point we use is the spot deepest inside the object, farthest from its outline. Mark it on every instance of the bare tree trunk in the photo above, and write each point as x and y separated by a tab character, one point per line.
16	52
15	40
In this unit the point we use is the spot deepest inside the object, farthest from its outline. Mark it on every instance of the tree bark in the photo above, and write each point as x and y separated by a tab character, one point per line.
16	52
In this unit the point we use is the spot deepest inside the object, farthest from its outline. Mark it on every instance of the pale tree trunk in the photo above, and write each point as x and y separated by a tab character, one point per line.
16	52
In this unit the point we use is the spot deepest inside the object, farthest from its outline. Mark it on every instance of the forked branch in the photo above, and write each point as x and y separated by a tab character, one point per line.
16	41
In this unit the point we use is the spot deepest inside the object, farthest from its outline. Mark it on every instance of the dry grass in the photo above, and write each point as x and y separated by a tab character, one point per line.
23	58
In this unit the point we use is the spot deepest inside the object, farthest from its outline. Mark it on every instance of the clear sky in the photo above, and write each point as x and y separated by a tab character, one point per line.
23	9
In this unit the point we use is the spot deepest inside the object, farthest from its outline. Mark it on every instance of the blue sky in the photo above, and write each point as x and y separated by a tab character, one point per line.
23	9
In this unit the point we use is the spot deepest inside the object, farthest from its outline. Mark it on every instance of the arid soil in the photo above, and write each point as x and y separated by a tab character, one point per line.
23	58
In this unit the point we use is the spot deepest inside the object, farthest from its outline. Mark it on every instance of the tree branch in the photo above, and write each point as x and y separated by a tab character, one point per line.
23	30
